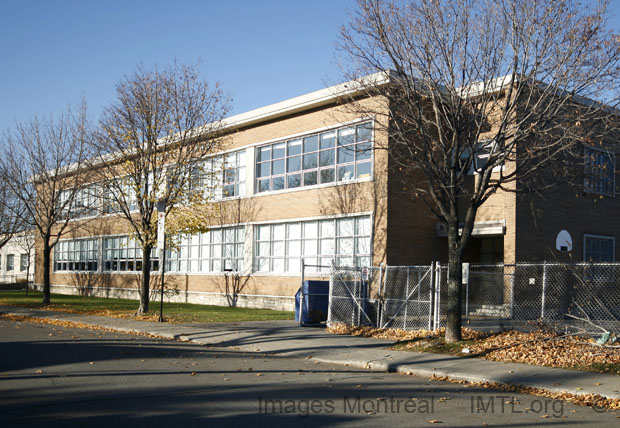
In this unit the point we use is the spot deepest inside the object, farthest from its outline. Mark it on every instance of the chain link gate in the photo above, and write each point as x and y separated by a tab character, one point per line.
353	296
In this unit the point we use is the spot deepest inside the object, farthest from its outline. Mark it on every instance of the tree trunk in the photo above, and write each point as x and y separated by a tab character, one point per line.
47	258
146	280
453	304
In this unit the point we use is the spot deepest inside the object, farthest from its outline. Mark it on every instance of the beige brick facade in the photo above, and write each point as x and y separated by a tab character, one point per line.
404	232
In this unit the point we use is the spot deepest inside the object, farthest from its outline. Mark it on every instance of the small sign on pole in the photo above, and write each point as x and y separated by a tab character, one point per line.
161	228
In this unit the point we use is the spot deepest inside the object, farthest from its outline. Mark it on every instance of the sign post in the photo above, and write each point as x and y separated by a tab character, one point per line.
161	244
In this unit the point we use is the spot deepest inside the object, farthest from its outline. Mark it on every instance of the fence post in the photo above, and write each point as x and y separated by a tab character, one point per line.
544	290
512	292
301	294
437	322
431	297
330	295
380	298
406	299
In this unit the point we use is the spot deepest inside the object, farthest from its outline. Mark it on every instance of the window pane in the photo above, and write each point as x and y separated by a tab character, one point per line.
345	154
278	232
263	185
293	164
294	147
310	161
327	158
278	265
293	248
277	249
346	136
345	226
327	229
264	153
363	151
294	230
364	170
345	173
309	247
310	178
311	229
278	151
364	132
277	183
277	167
362	226
263	249
263	169
293	265
263	232
262	265
345	246
328	175
362	245
311	143
328	139
294	180
328	247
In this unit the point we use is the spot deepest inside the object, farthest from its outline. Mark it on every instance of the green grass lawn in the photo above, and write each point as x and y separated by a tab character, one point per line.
174	312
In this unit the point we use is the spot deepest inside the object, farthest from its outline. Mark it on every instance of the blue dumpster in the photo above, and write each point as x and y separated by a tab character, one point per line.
315	302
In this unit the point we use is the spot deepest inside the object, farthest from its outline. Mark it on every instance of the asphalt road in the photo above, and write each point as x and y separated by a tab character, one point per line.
56	377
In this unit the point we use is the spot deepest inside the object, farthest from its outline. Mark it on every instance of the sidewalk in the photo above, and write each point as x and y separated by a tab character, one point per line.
287	338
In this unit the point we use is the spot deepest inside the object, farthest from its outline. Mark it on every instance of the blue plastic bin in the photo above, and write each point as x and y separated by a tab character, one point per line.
315	302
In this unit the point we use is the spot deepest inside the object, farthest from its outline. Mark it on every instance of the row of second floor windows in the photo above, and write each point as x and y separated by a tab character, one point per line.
216	178
338	155
276	248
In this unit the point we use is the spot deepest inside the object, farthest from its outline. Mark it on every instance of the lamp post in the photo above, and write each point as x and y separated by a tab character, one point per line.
161	243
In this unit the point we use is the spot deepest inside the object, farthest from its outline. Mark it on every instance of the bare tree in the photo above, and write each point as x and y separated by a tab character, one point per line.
40	166
160	124
482	96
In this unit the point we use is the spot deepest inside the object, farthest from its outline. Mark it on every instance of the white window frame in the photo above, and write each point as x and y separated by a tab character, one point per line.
310	247
286	175
68	256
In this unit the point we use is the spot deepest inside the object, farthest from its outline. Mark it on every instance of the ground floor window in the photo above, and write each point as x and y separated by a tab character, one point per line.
218	250
281	247
123	254
597	248
75	255
10	262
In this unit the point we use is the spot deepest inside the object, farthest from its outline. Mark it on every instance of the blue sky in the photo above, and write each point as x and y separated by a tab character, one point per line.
262	51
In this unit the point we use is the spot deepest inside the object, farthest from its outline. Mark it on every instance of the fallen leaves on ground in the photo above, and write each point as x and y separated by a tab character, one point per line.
542	348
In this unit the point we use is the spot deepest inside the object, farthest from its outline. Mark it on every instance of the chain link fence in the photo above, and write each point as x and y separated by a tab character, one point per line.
494	297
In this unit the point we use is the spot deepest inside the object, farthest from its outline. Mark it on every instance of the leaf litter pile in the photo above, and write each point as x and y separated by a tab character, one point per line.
541	347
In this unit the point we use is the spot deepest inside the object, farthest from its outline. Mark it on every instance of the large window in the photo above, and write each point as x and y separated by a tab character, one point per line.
282	247
85	201
220	176
598	248
122	254
10	262
76	255
599	171
339	155
217	250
